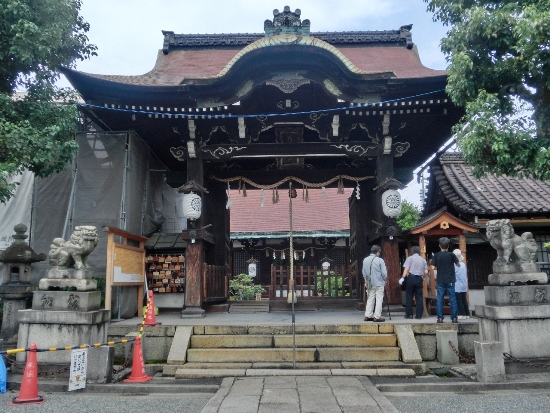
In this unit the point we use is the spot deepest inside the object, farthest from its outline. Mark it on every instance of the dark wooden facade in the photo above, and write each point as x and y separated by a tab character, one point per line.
290	106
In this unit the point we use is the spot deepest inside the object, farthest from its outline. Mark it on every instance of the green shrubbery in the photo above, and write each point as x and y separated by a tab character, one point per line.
242	287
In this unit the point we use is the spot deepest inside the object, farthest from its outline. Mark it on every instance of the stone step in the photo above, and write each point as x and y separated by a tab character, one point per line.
303	341
337	340
209	355
247	308
212	373
370	328
419	368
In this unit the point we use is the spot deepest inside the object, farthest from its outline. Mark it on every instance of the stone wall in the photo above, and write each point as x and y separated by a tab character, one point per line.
156	341
424	335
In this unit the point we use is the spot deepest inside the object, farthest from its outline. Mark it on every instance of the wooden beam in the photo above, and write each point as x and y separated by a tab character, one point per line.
354	150
308	175
443	232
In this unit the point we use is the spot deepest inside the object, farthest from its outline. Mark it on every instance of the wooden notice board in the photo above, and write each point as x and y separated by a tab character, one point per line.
125	263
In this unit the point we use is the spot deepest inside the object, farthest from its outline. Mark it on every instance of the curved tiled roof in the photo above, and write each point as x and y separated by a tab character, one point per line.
176	67
490	195
433	219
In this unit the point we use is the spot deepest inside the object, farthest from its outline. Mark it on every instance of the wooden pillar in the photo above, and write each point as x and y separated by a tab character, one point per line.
194	253
390	253
422	245
462	245
193	280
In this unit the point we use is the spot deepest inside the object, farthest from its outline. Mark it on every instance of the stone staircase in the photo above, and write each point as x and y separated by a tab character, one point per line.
241	349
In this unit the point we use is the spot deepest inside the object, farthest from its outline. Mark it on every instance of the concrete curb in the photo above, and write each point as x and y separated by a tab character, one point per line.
462	387
208	373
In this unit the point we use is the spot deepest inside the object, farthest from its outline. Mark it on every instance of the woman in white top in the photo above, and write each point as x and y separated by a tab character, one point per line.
461	286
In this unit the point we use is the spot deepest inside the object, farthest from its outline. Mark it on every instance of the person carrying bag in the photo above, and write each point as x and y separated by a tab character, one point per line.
375	273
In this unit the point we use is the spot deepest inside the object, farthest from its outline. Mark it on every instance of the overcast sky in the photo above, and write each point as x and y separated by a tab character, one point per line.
128	32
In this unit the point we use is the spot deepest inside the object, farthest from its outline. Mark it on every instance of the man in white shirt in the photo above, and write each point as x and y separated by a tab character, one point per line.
414	270
375	273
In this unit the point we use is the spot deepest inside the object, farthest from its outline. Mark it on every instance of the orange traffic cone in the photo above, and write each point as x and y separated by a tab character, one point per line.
28	394
150	318
138	367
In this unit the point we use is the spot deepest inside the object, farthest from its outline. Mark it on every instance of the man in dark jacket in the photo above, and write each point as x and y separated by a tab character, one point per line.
444	262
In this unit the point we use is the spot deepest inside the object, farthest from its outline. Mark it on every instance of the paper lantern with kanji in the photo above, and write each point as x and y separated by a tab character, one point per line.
391	203
192	205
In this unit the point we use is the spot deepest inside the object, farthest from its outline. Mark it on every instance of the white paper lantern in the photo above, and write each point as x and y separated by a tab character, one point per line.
391	203
252	269
192	205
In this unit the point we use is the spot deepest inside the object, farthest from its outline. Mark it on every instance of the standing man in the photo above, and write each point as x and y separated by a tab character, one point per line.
375	273
414	270
444	262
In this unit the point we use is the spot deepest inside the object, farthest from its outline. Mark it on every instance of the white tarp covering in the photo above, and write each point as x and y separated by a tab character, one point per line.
17	210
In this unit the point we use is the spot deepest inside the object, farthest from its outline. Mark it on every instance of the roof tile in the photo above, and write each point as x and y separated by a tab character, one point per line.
320	213
488	195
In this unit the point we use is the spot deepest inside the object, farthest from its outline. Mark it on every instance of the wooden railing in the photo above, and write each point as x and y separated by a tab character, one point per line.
313	282
215	283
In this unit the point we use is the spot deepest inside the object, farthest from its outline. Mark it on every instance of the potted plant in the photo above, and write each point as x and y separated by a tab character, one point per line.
242	288
546	246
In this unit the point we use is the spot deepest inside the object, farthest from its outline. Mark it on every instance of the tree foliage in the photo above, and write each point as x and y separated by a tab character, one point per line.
499	67
242	287
409	216
37	124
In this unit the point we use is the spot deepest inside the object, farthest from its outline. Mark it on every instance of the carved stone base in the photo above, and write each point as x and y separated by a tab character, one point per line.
10	322
518	277
515	267
69	273
59	329
46	284
523	330
66	300
517	295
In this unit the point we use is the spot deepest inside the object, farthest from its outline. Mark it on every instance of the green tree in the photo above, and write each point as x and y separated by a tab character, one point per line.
499	56
409	216
38	123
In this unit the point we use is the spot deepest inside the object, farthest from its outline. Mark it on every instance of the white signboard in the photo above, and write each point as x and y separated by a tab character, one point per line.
121	277
77	378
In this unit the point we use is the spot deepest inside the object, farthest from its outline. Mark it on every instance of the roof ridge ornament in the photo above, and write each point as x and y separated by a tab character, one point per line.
286	22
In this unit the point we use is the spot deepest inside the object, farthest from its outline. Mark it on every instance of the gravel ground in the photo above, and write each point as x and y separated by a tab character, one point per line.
535	401
86	403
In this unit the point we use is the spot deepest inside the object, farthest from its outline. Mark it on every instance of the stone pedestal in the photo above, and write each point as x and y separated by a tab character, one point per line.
14	296
518	278
445	353
518	316
68	277
60	319
193	312
489	362
10	324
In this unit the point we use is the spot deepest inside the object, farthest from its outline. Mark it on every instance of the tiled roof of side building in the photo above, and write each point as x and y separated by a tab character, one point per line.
330	212
489	195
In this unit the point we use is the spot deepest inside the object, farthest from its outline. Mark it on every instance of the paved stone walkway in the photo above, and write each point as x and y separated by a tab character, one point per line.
298	394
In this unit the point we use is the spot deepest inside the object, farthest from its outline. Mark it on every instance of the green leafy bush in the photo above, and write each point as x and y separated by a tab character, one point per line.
243	288
409	216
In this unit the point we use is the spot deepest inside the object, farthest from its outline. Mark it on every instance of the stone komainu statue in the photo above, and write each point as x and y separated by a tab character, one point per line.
511	247
75	251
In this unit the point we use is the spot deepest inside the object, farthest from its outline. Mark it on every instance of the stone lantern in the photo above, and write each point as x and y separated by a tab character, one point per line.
15	286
